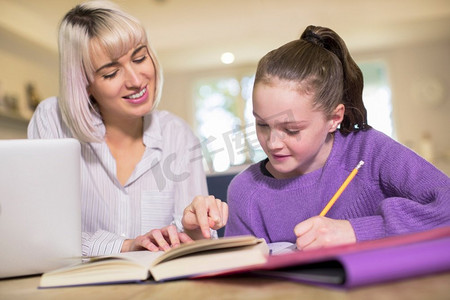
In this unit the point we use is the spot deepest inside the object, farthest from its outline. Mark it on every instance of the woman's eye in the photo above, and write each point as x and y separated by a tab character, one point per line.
261	125
140	59
110	75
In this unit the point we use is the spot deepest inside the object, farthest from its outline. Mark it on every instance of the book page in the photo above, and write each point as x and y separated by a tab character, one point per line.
211	262
143	258
207	244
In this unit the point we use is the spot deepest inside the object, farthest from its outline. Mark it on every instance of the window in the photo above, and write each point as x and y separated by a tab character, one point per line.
226	126
377	96
224	122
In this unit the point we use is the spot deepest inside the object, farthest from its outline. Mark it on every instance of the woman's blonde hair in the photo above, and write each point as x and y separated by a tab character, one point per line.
116	32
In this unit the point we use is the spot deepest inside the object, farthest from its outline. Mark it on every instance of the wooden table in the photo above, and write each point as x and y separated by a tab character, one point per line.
429	287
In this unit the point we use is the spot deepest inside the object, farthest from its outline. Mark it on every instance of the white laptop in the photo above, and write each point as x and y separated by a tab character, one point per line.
40	211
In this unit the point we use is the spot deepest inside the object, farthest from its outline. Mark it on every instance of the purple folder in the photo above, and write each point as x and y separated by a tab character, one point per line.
366	263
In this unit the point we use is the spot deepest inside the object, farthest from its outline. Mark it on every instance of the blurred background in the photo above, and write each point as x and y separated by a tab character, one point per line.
209	50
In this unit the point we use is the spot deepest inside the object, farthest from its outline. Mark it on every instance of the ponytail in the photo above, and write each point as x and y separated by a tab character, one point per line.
355	117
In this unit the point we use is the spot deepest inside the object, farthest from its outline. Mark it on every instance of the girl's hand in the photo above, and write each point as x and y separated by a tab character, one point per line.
157	239
203	213
317	232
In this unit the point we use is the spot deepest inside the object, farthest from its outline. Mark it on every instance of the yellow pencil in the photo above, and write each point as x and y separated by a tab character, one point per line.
341	189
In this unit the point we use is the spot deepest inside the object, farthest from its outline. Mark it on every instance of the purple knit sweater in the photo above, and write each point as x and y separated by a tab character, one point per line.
395	191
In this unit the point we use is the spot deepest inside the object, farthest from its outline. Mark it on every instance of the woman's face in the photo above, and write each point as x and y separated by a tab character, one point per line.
295	136
123	88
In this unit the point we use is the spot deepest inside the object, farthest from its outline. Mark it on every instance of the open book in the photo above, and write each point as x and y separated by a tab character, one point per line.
188	260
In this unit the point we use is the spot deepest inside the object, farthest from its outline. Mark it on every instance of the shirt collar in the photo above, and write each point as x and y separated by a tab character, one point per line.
152	135
152	131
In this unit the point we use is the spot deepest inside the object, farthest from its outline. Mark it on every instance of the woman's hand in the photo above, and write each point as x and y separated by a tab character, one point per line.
203	213
157	239
317	232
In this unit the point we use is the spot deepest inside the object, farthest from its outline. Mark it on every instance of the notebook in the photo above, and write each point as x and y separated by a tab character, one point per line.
40	211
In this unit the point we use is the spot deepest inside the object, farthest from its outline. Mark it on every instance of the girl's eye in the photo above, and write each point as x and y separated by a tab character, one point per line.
110	75
261	125
292	131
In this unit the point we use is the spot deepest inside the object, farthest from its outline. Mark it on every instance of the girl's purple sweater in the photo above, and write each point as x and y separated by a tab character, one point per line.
395	191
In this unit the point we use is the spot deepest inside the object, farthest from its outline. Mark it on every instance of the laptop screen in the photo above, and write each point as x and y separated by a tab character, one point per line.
40	211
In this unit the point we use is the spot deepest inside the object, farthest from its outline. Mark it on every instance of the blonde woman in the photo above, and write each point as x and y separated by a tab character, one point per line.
142	174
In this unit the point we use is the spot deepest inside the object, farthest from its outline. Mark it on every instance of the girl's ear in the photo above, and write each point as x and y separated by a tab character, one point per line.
336	117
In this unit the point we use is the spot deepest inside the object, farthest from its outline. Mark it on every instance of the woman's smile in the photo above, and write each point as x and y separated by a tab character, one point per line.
137	98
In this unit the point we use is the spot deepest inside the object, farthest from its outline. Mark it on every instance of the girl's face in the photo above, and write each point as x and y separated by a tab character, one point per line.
124	88
295	136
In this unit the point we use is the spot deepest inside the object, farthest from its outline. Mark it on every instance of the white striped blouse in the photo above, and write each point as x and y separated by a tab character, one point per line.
163	183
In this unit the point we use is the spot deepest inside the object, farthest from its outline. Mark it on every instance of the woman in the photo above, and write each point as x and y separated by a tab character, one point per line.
140	167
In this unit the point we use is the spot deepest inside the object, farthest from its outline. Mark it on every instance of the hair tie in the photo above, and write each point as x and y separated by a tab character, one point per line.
313	38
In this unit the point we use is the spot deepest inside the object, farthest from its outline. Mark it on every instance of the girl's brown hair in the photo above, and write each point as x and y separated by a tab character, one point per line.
321	63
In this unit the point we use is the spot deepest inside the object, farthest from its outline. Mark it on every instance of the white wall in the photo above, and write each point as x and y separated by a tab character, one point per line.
420	83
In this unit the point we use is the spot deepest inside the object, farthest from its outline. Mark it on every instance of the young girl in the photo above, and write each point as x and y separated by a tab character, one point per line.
139	172
311	123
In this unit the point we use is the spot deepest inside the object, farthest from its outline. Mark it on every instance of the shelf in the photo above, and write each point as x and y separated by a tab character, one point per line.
13	121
